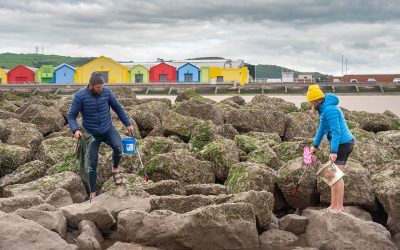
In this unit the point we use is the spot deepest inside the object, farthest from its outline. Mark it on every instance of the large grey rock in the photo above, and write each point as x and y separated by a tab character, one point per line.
89	236
203	134
358	186
20	234
47	216
24	201
59	198
265	155
130	246
358	212
288	176
246	176
180	204
223	226
387	190
200	110
293	223
86	211
46	185
373	122
246	120
277	237
46	119
181	167
28	172
262	201
123	197
223	154
271	103
205	189
344	231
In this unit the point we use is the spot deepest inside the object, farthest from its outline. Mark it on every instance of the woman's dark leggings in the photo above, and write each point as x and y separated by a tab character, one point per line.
112	139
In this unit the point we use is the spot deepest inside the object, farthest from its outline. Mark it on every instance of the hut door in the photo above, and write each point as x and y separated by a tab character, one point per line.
188	77
1	80
163	78
139	78
220	78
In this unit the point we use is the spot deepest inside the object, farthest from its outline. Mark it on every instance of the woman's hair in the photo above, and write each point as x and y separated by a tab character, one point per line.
314	106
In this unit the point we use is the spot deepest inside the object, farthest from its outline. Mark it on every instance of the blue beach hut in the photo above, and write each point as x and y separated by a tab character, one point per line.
64	74
188	73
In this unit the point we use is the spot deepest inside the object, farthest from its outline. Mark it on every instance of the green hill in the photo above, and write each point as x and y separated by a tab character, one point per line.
10	60
274	71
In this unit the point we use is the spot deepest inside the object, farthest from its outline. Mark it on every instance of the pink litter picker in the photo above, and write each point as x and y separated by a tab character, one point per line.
308	159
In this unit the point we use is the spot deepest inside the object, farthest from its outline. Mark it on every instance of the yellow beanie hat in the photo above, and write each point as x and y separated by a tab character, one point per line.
314	93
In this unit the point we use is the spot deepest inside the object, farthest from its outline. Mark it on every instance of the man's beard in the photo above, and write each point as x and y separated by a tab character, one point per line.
94	92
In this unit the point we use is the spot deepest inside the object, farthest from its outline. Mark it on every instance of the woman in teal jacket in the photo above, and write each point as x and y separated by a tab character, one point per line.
333	125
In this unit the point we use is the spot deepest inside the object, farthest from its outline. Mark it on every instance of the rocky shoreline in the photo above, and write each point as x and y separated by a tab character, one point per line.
221	177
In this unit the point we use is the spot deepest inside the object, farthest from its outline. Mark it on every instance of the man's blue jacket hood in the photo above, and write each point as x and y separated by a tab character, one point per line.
332	124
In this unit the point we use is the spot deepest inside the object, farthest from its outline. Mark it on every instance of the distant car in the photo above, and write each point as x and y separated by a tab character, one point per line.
371	80
396	80
354	81
336	81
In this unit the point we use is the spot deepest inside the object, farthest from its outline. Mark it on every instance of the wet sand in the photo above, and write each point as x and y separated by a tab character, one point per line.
369	103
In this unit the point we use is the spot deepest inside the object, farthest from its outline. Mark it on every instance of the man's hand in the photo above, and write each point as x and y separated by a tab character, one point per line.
130	129
333	157
313	150
78	134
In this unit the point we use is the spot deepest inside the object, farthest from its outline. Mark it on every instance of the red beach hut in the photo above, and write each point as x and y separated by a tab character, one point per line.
21	74
163	73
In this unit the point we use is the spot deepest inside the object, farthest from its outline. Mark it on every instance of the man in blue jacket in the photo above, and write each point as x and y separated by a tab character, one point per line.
94	103
333	125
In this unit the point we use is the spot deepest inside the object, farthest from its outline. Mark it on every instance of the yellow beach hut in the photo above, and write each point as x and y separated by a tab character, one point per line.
112	71
240	75
3	76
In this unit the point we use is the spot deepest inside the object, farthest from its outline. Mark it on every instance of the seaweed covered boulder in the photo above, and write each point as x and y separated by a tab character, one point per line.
192	94
223	153
246	176
373	122
271	103
15	132
386	184
28	172
358	186
46	185
47	119
12	157
246	120
288	176
59	153
290	150
371	150
300	124
154	145
264	155
181	167
200	110
180	125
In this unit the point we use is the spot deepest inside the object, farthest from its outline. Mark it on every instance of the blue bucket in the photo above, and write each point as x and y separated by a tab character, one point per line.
129	145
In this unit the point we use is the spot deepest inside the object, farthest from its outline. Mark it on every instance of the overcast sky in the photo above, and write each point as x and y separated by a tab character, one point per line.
307	35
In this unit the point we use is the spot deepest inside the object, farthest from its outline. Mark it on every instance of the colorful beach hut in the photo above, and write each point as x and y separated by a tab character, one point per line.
45	74
163	72
205	74
21	74
64	74
112	71
188	73
240	75
3	76
139	74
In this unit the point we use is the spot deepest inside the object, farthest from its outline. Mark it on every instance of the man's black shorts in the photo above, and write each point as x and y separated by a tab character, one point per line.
344	152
